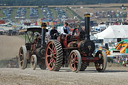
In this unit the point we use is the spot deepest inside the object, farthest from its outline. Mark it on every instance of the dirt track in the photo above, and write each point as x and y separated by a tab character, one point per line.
9	46
16	76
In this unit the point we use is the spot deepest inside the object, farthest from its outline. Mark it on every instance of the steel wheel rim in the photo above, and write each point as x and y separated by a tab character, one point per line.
74	61
50	56
22	61
32	62
100	64
21	57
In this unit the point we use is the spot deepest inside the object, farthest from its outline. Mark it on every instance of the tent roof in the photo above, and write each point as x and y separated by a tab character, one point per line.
114	31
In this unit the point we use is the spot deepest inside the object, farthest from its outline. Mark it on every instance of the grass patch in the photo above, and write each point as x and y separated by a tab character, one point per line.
73	13
27	13
13	14
1	13
68	12
40	13
54	13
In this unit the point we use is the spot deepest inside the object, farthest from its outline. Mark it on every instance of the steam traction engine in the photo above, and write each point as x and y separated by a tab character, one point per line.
31	52
77	51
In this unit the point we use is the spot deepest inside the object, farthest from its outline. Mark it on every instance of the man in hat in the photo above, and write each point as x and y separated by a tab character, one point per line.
65	29
53	33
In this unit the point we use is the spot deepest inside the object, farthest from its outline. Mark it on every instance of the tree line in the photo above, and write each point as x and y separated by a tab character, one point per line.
56	2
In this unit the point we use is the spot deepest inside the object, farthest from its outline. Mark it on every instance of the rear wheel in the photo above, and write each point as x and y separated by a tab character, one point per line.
42	65
83	66
22	57
54	55
101	64
33	62
75	60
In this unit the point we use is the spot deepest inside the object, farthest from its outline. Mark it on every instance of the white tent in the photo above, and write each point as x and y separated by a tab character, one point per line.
114	31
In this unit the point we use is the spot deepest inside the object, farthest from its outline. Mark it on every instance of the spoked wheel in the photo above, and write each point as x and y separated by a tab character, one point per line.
83	66
75	60
54	55
22	57
33	62
101	64
42	65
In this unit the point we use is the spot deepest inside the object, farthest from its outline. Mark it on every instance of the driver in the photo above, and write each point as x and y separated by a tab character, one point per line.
37	41
65	29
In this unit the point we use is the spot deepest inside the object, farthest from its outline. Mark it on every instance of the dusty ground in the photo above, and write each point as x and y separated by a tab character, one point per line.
16	76
9	46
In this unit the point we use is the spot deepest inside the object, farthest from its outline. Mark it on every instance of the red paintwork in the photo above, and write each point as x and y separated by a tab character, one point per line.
65	41
76	37
86	59
59	39
84	54
71	30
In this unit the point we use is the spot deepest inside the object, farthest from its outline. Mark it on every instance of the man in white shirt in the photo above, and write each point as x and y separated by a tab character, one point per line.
65	29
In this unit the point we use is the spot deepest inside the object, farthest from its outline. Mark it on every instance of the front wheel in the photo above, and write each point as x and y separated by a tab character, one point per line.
75	60
33	62
83	66
42	65
101	64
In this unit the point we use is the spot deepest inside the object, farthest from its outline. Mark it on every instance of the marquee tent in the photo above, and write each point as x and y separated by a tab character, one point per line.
114	31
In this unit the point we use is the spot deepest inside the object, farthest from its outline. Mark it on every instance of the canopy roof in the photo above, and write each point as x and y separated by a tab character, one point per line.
114	31
32	28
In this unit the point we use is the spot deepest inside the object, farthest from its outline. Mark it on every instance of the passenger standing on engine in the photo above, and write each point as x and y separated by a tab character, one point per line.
65	29
53	33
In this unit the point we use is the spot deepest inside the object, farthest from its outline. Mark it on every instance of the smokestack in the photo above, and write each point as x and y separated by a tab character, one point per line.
43	26
87	26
